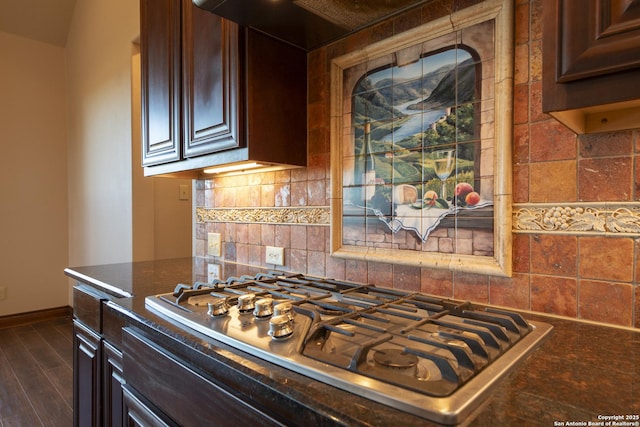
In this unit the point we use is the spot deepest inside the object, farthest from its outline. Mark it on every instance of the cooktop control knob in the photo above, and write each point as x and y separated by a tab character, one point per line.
264	308
286	309
280	327
219	307
246	303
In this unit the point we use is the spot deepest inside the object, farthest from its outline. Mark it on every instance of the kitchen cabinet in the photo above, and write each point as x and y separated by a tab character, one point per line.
97	364
159	376
591	64
86	376
215	93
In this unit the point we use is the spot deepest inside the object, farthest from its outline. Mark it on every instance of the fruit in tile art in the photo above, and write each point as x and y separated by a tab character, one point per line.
463	188
472	198
430	197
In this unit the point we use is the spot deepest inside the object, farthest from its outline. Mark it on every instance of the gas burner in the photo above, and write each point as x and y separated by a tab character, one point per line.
436	358
395	358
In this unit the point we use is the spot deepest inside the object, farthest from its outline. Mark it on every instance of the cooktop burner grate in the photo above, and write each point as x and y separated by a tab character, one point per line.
420	353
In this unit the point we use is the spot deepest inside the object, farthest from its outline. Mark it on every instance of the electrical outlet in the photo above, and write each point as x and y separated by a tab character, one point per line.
275	255
3	293
214	244
213	272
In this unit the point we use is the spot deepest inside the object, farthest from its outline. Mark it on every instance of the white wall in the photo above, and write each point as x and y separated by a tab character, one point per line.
99	49
33	175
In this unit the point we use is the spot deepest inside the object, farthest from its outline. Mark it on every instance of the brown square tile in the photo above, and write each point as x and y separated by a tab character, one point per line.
380	274
511	292
607	258
535	75
472	287
554	295
553	182
335	267
535	103
406	278
636	291
536	19
520	183
522	23
606	144
437	282
554	254
521	143
606	302
317	193
267	195
608	179
316	237
316	263
436	9
551	140
356	271
267	234
636	187
282	236
299	193
299	237
521	253
521	73
521	104
297	260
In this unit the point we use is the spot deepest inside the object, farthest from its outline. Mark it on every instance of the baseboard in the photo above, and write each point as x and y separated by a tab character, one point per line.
35	316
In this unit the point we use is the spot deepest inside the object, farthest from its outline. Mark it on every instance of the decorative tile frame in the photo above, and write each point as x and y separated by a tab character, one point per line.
316	215
499	263
610	218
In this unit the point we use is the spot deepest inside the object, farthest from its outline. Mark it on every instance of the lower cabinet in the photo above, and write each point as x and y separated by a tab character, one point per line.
86	376
139	413
97	380
184	396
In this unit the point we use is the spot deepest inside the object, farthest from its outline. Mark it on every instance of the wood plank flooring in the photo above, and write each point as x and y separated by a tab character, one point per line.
36	374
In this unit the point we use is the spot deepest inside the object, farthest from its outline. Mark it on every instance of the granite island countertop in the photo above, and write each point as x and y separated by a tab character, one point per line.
583	372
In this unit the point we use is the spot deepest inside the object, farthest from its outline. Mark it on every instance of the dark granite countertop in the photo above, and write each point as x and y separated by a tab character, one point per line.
583	372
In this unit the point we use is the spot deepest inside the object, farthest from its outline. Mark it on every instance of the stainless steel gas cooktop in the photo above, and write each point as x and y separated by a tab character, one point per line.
435	358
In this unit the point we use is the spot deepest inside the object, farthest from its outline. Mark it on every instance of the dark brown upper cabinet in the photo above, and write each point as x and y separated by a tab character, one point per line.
591	64
216	93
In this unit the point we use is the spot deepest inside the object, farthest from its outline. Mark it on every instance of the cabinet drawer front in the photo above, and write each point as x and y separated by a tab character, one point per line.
87	307
184	395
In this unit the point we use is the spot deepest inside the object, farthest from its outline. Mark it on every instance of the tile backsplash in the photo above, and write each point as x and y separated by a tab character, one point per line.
588	274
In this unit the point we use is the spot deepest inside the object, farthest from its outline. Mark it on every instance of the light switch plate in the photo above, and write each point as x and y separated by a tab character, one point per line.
275	255
184	192
214	243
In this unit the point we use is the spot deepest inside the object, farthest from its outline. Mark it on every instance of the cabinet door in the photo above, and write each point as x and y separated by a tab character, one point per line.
138	414
591	53
211	109
86	376
160	80
112	380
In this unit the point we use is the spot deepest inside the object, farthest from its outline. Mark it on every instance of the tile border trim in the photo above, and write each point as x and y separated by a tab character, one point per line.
578	218
299	215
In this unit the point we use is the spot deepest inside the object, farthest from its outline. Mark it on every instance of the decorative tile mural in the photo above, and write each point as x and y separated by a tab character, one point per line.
421	147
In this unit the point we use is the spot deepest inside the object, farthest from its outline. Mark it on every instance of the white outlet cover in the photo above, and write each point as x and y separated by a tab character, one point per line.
213	272
214	244
275	255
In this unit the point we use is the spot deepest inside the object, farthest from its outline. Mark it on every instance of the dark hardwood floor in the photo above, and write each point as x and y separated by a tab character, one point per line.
36	375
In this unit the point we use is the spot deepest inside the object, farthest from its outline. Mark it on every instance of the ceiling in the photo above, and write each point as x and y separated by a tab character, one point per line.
43	20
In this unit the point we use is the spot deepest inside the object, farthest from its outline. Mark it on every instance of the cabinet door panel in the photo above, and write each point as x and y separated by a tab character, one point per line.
589	38
160	79
112	380
210	78
86	376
